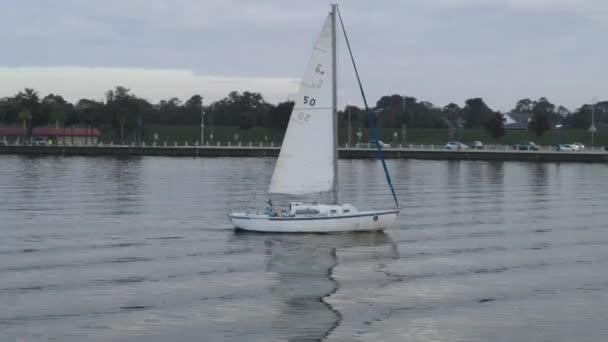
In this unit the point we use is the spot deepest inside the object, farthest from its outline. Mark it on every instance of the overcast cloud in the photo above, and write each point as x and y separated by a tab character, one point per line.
437	50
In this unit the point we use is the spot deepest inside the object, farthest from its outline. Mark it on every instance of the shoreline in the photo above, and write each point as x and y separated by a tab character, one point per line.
344	153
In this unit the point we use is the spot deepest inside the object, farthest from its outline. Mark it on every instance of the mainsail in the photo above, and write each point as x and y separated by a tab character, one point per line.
306	161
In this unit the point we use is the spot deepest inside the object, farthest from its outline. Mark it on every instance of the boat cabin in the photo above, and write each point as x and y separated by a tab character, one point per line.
302	209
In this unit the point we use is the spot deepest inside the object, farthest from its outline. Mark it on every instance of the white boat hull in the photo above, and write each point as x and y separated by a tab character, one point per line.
361	221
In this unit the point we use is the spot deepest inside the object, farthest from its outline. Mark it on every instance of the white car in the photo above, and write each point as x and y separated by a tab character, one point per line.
578	146
372	144
477	145
566	148
41	141
454	145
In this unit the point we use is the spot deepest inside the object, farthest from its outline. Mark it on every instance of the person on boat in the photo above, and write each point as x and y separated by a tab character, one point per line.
268	210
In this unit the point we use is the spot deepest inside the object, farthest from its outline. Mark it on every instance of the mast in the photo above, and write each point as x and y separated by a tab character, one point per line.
334	95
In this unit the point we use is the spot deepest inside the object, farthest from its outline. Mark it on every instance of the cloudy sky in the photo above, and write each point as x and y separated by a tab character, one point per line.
436	50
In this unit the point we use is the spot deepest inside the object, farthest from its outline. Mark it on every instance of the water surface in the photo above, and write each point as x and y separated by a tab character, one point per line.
139	249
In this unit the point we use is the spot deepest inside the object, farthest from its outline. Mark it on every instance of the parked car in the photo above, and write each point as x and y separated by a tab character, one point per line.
41	141
455	145
579	146
477	145
527	146
372	144
566	148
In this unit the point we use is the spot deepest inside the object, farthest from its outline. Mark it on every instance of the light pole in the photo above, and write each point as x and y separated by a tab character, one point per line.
349	129
202	124
404	126
559	136
592	128
460	127
403	110
139	130
211	123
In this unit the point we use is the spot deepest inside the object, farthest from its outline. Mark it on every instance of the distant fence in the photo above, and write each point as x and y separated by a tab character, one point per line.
271	144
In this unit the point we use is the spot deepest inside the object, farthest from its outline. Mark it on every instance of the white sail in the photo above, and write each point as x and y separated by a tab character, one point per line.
306	161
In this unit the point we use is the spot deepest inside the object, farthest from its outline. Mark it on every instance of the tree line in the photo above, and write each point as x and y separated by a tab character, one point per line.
121	111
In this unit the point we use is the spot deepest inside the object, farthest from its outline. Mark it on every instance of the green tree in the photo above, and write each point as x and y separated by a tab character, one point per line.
124	108
539	123
476	112
25	116
55	108
581	118
496	126
279	115
453	116
395	110
9	110
524	106
28	103
242	110
543	116
562	111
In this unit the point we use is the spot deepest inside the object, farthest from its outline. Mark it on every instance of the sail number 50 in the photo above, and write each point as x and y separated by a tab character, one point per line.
309	101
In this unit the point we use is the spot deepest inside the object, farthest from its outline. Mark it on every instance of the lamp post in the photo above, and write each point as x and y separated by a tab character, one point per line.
559	136
592	128
211	119
460	127
404	126
202	124
349	129
139	130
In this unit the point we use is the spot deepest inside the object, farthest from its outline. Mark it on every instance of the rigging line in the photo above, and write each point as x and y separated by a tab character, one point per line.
372	124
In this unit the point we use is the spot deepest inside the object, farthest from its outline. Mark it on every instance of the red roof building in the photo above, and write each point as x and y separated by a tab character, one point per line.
60	135
8	131
65	131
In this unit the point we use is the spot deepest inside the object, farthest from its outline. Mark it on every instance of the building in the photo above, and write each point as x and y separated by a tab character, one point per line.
516	120
57	135
12	134
68	135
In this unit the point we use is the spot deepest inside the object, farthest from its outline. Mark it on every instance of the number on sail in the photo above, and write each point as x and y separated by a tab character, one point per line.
318	69
304	116
309	101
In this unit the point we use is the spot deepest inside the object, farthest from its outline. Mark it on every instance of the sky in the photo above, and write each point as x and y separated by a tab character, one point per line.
440	51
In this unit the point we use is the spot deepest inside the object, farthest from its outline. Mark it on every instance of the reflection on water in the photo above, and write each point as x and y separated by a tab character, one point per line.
140	249
304	266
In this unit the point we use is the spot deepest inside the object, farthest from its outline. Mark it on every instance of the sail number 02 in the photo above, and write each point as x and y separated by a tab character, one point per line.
304	116
309	101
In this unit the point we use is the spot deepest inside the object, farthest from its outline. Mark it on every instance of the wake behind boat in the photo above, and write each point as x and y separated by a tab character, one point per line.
307	163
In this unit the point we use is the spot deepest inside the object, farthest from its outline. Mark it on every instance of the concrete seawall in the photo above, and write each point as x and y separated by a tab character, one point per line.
345	153
178	151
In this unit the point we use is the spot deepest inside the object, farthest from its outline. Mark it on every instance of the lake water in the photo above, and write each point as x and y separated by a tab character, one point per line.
139	249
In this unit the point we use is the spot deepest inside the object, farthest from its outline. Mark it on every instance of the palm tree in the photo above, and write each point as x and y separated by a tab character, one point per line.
25	115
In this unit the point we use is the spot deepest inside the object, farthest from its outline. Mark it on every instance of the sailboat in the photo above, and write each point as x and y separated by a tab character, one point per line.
308	160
